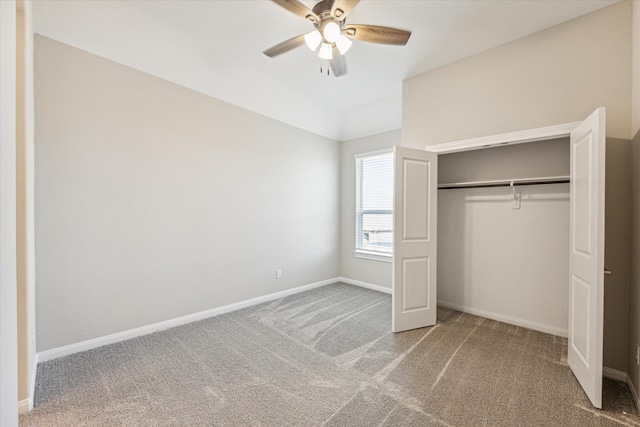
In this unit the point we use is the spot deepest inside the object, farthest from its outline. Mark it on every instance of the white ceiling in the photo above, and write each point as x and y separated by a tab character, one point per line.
368	99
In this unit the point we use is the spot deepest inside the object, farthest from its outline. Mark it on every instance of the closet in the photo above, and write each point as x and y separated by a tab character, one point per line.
503	249
510	250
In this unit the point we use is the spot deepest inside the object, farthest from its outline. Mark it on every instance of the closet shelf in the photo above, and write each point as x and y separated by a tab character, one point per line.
506	182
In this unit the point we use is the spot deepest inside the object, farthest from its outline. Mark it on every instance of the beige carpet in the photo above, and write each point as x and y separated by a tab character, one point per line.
325	357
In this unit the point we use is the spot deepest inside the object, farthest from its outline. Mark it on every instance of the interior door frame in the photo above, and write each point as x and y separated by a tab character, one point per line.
512	138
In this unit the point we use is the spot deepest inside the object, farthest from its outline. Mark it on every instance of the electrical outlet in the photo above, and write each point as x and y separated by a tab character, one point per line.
637	354
278	274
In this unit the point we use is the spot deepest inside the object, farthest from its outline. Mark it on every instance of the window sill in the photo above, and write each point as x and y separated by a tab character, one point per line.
374	256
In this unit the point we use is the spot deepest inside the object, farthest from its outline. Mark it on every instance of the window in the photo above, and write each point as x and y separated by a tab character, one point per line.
374	205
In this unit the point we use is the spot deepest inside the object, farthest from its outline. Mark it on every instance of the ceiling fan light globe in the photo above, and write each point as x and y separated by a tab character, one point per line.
313	39
331	32
343	44
326	51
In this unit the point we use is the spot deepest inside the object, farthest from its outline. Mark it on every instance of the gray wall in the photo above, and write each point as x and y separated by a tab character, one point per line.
544	79
154	201
543	158
363	270
617	247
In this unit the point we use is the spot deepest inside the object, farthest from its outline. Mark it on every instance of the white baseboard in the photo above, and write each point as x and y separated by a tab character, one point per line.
508	319
366	285
55	353
614	374
25	405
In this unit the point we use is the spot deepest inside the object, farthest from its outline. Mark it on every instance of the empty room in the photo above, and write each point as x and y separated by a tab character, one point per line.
306	213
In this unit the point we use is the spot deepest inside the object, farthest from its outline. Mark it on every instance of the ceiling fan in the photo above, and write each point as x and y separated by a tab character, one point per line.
331	34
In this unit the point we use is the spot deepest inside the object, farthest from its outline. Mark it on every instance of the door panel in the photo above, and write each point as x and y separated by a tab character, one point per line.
416	182
586	287
415	270
414	239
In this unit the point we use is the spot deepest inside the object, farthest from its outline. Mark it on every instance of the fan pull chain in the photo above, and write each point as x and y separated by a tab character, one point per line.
322	71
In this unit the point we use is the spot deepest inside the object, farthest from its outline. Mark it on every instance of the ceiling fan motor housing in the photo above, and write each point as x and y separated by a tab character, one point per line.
323	8
323	11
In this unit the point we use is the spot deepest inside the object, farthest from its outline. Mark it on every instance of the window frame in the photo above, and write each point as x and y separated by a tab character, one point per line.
359	252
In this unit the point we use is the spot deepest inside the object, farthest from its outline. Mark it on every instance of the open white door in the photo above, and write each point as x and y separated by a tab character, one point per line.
586	257
415	210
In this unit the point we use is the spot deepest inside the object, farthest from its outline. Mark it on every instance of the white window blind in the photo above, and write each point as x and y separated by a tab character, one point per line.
374	203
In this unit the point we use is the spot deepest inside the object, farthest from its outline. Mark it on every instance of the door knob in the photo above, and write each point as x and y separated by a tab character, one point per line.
607	272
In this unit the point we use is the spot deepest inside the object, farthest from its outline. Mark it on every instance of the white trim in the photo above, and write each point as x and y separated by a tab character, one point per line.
66	350
8	299
373	153
634	392
32	386
371	286
519	137
614	374
375	256
507	319
25	405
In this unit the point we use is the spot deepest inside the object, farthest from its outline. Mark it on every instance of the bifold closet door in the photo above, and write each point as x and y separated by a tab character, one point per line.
586	257
415	211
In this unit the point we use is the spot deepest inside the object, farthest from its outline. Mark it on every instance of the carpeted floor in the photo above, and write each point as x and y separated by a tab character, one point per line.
325	357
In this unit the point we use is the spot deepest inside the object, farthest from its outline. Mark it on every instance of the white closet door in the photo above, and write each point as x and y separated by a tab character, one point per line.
414	238
586	243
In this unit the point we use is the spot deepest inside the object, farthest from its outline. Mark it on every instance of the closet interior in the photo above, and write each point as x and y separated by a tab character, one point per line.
503	233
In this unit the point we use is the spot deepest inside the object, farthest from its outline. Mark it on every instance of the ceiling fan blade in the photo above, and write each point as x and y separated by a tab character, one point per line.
285	46
377	34
342	8
338	64
294	6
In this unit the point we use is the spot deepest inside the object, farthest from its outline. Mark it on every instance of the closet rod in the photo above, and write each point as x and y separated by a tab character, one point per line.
506	182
